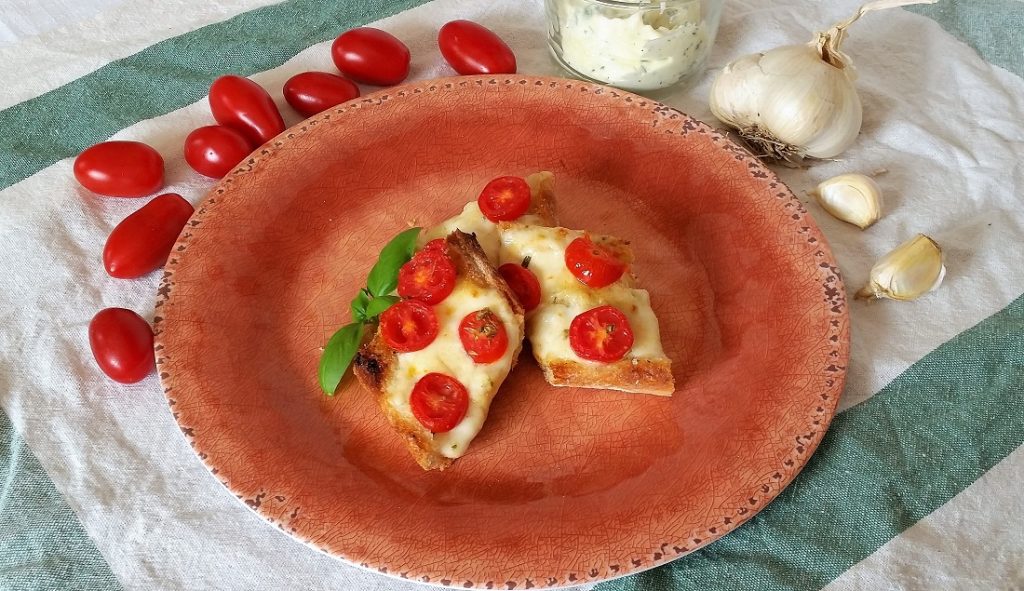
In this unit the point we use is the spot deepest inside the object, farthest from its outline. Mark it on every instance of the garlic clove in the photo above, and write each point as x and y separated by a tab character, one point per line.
913	269
852	198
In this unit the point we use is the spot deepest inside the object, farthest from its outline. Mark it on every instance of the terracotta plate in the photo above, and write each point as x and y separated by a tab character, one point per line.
562	486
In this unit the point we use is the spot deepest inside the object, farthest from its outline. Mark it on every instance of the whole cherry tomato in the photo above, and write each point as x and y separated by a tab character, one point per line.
142	241
439	402
505	198
215	150
122	343
408	326
120	169
429	277
524	284
593	264
243	105
601	334
310	93
483	336
474	49
371	56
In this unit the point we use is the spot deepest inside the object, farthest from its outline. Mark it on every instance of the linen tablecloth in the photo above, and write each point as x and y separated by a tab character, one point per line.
916	486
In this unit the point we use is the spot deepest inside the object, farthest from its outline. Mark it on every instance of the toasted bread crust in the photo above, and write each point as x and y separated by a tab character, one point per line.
542	197
375	359
639	376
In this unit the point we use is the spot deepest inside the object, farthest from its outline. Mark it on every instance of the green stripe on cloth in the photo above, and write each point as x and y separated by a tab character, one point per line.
992	27
42	543
883	466
167	76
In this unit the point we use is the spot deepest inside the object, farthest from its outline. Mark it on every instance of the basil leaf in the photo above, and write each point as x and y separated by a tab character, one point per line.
338	355
379	304
358	305
383	277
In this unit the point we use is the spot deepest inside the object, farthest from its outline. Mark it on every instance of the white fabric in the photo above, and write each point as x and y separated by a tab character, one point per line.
947	125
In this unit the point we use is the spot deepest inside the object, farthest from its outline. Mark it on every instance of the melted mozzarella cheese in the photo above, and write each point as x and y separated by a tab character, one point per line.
563	297
446	355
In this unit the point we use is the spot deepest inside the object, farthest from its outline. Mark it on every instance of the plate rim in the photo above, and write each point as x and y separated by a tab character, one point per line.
658	555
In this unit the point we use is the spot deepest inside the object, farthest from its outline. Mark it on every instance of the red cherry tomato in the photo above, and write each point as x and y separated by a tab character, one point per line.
594	265
142	241
310	93
371	56
436	244
120	169
215	150
122	343
243	105
601	334
474	49
439	402
504	198
428	277
408	326
523	283
483	336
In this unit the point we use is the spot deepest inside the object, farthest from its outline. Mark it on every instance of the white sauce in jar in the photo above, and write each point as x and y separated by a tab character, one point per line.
646	48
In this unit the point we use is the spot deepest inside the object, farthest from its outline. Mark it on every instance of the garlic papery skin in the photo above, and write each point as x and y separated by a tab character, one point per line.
912	270
796	101
852	198
788	103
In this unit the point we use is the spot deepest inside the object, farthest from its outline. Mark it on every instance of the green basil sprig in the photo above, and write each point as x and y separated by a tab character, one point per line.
366	307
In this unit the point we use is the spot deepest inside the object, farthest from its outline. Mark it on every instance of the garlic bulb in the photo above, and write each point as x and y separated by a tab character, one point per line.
796	101
910	271
853	198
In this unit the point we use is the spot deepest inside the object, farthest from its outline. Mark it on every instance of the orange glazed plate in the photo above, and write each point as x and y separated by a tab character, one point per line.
562	486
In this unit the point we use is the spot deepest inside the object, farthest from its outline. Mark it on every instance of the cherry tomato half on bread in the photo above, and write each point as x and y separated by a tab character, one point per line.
120	169
601	334
428	277
215	150
474	49
439	402
243	105
436	244
310	93
371	56
593	264
122	343
142	241
408	326
523	283
483	336
505	198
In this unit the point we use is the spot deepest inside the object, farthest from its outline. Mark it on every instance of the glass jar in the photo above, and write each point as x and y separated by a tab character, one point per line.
637	45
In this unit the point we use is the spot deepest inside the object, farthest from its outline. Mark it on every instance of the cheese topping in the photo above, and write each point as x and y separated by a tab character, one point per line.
563	297
446	355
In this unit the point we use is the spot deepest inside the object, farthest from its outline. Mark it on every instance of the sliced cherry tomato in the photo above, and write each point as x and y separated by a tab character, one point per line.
439	402
429	277
371	56
474	49
601	334
142	241
594	265
215	150
408	326
436	244
243	105
310	93
523	283
483	336
505	198
122	343
120	169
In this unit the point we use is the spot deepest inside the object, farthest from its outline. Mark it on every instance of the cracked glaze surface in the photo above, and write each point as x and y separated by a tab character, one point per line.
752	309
